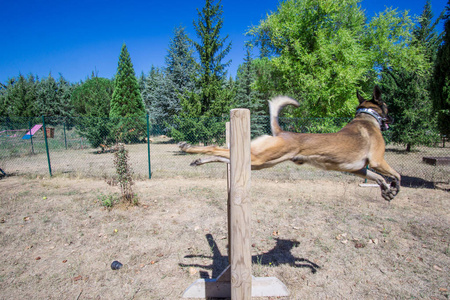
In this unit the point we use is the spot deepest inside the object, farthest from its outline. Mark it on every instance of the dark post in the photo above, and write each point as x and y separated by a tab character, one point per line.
65	139
148	148
31	138
46	146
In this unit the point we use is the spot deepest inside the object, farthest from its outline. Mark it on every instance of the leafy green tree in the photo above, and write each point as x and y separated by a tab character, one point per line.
127	108
93	97
441	79
320	52
91	103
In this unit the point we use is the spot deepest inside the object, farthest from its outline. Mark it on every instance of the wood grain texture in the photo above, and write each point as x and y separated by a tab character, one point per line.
240	208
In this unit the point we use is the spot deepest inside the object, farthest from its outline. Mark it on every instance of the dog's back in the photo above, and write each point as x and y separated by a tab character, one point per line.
275	106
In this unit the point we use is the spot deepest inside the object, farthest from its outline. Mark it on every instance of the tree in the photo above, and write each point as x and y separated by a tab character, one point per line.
91	103
320	52
93	97
205	106
441	79
212	50
126	99
19	97
127	108
409	103
425	31
249	97
175	80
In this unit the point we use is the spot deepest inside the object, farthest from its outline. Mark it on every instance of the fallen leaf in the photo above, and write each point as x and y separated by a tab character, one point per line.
437	268
77	278
192	271
444	290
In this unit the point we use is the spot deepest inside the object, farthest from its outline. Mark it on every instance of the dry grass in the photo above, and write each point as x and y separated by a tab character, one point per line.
323	238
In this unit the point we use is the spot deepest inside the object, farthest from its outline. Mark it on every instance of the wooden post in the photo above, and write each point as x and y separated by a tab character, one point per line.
227	138
240	211
236	280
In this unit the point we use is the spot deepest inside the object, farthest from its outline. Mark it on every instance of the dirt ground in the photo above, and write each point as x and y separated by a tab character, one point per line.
322	238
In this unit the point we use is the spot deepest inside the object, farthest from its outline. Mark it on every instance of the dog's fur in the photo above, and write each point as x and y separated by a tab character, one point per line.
355	146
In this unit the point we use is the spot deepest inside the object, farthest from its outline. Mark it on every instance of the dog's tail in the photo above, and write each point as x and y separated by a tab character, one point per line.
275	106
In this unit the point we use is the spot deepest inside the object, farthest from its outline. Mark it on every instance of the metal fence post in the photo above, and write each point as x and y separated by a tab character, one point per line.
31	138
65	139
46	146
148	149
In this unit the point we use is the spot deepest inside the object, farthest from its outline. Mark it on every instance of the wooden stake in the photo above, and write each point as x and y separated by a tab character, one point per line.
240	212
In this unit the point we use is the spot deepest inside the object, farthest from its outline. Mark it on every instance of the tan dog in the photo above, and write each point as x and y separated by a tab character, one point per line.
355	146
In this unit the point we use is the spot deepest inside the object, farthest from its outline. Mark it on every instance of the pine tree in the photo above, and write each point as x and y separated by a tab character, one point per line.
127	108
47	100
126	99
409	103
212	50
425	32
441	79
20	97
249	97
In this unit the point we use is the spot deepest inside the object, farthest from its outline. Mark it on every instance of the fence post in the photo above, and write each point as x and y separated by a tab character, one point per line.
148	148
65	139
46	146
31	137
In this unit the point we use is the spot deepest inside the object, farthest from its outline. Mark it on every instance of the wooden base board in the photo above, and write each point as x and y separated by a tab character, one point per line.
211	288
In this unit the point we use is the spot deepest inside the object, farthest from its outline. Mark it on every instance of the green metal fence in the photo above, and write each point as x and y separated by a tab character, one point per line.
84	147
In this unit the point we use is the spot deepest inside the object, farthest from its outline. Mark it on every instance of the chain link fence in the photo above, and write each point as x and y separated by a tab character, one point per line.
84	147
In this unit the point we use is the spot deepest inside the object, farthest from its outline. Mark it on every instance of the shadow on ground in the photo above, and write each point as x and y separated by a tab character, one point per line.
280	254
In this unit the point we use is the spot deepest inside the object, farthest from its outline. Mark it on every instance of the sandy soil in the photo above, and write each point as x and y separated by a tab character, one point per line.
322	238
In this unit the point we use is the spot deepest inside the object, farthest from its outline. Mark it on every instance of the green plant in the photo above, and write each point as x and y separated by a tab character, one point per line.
107	201
124	173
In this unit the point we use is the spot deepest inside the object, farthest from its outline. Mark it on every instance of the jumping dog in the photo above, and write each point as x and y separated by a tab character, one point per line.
357	145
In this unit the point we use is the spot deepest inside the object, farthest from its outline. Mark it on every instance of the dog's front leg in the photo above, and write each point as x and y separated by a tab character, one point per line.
387	192
206	160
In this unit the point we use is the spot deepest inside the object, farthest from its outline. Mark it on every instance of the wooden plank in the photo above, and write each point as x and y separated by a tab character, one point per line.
240	210
437	161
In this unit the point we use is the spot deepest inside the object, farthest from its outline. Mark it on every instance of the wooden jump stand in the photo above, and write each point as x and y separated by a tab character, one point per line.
236	281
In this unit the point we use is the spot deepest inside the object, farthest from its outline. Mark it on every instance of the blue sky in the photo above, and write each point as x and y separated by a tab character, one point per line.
75	38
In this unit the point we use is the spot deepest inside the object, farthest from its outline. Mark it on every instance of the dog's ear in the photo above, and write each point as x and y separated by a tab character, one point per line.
377	95
360	98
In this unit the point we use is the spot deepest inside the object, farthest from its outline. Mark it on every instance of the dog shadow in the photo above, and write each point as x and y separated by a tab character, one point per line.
279	255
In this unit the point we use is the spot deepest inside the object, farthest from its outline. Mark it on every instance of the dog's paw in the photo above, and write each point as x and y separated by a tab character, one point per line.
183	146
395	187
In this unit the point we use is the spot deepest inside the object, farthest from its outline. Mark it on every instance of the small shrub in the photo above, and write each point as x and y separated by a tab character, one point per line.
107	201
124	173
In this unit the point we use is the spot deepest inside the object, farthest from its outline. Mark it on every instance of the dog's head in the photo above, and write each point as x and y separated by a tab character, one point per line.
375	105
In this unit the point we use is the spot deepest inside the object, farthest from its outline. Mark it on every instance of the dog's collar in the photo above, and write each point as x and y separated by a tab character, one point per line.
369	111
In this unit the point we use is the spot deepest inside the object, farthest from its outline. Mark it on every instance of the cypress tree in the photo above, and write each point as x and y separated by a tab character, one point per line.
126	99
127	108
